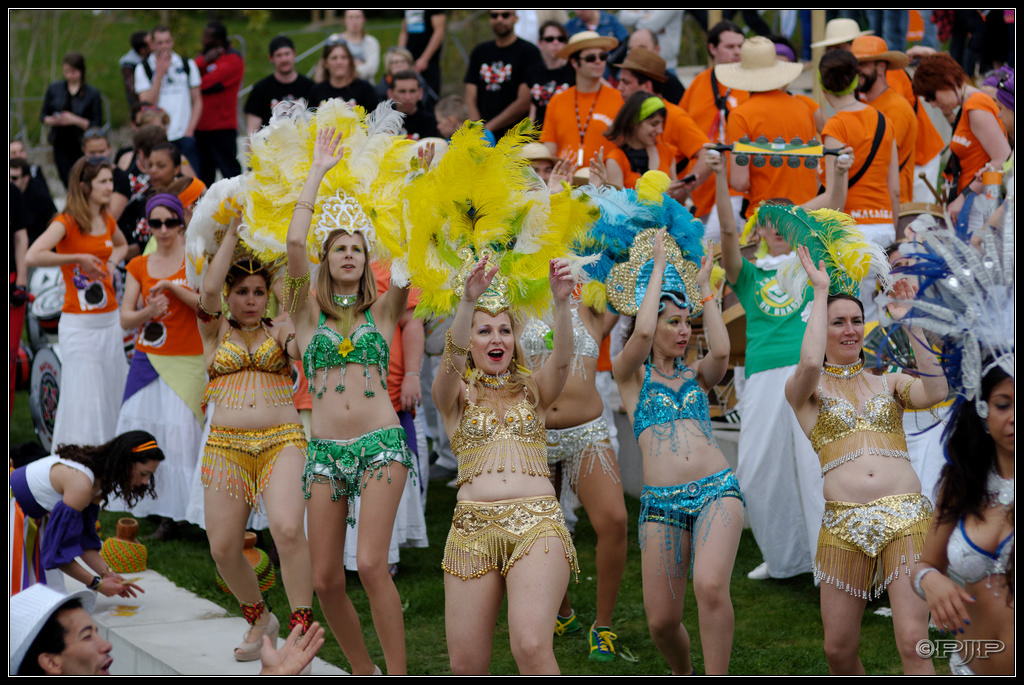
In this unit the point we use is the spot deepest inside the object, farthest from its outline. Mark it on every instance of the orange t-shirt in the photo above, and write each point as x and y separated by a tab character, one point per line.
904	121
965	145
666	162
396	353
699	102
929	141
683	133
868	201
595	112
174	333
773	114
87	297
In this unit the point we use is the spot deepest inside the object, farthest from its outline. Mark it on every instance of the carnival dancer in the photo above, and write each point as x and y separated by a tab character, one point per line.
489	242
56	502
691	512
164	392
344	213
875	517
254	455
85	243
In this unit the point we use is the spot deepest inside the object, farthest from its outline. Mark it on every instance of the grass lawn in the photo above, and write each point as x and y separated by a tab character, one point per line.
778	624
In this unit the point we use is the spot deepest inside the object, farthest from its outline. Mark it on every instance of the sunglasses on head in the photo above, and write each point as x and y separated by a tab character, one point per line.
173	222
500	15
600	57
553	39
335	39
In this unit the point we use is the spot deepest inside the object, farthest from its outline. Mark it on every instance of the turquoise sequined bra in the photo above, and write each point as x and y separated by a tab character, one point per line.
329	349
660	404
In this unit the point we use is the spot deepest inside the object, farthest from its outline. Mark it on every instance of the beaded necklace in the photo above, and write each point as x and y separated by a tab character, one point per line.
843	370
580	128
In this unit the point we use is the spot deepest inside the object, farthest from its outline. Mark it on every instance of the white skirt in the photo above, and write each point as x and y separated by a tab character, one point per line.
410	528
93	373
161	411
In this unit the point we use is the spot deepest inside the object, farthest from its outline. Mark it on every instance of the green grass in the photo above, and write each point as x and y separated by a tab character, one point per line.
778	622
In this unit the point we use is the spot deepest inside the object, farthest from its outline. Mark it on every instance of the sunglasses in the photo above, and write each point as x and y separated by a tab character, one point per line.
335	39
602	57
553	39
161	223
500	15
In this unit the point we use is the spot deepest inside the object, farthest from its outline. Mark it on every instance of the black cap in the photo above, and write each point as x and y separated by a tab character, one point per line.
279	42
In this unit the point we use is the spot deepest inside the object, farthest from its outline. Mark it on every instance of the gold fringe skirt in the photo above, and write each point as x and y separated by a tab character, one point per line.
492	536
864	547
241	460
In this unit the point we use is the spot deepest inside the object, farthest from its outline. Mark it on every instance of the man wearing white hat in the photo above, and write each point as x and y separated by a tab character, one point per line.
54	634
577	118
839	33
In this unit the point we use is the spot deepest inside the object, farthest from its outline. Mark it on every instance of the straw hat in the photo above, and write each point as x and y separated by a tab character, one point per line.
646	62
875	49
30	609
840	31
585	40
537	152
758	70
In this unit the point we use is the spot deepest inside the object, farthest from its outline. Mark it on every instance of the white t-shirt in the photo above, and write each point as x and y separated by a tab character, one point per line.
175	91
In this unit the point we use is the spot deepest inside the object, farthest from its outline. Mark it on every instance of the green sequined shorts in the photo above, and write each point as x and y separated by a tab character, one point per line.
348	465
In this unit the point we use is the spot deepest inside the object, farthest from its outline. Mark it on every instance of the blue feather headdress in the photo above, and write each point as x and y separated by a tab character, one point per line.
622	241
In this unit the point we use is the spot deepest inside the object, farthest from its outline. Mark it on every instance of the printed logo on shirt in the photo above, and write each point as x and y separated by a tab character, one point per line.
966	142
773	300
862	214
541	93
493	75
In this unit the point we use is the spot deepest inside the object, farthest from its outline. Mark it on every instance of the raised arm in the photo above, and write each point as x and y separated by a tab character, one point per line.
836	182
213	281
638	347
802	384
552	376
929	387
732	258
711	369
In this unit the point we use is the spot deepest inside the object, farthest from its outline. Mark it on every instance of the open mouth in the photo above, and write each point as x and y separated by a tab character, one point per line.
496	355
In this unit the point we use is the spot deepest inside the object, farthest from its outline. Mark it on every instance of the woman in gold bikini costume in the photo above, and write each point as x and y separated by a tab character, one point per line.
508	533
256	448
875	517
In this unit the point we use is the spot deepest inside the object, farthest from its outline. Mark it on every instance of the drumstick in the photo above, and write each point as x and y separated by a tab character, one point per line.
935	193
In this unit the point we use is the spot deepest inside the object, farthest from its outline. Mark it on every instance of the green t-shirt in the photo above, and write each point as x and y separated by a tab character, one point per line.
775	321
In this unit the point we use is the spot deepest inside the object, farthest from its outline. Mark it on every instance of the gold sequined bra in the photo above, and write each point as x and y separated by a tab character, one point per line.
841	434
232	371
483	442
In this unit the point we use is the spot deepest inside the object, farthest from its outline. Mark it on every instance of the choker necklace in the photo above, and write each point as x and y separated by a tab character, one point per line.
678	369
346	300
1000	490
245	329
843	370
494	381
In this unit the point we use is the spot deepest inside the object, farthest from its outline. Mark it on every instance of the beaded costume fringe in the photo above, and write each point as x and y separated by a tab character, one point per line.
234	390
846	567
527	457
228	461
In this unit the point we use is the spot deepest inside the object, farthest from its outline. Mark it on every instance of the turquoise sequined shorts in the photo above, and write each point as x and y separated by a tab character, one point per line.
348	465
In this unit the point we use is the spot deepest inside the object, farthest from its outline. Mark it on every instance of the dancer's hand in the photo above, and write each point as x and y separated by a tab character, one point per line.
296	653
704	275
478	280
817	275
901	290
714	159
947	602
658	240
562	172
91	266
116	586
598	170
328	150
561	279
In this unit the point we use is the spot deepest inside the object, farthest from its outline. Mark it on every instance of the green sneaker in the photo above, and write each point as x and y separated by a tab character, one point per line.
566	625
601	647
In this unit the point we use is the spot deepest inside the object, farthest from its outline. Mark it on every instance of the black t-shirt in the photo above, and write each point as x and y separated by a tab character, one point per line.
359	92
269	91
39	209
18	220
122	182
497	74
421	124
419	26
546	83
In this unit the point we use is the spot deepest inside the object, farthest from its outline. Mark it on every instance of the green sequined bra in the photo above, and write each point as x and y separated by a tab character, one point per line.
329	349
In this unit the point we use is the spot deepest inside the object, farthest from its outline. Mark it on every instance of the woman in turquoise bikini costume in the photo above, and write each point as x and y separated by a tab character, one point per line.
357	444
690	498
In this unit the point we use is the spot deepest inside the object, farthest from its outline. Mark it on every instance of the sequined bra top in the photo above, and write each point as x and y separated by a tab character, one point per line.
483	442
841	434
660	404
328	349
968	563
233	372
536	342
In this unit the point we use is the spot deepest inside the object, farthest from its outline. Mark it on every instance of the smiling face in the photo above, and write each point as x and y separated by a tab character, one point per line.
85	651
346	261
845	334
492	342
648	130
1000	417
247	299
673	332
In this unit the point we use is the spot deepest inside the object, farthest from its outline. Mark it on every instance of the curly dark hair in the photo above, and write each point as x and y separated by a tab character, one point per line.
112	464
970	456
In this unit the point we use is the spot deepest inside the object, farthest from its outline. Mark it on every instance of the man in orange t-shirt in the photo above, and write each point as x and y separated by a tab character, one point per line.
577	118
875	61
928	152
709	103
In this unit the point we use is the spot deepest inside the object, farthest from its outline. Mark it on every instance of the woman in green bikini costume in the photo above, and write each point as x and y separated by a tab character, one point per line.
357	445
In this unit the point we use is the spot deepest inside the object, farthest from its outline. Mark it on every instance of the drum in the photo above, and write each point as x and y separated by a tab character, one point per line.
912	211
44	393
47	288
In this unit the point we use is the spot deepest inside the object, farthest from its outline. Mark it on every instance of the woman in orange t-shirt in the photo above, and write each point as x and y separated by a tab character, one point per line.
636	131
979	138
164	392
86	244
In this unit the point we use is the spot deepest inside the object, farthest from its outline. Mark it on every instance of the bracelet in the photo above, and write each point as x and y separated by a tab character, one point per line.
95	583
451	349
916	582
302	204
708	299
204	315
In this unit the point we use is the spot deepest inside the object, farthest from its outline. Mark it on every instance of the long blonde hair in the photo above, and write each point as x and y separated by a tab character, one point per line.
325	284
